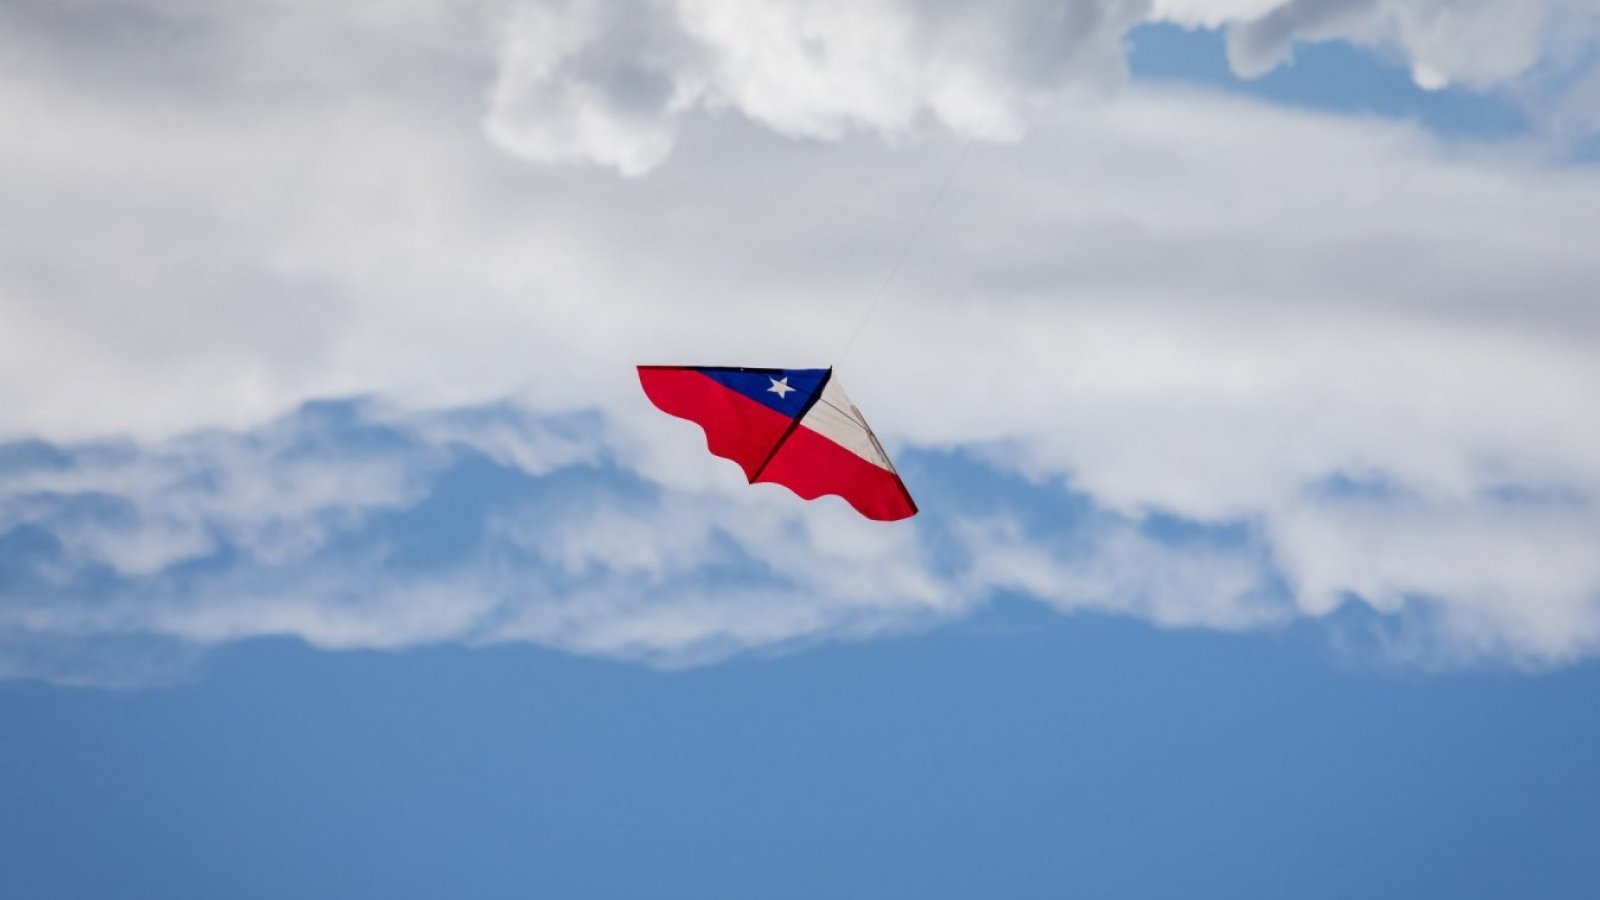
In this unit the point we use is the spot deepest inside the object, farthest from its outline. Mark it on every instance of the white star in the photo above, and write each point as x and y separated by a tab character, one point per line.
780	386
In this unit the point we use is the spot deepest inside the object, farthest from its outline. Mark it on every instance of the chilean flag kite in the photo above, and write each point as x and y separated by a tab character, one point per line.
793	427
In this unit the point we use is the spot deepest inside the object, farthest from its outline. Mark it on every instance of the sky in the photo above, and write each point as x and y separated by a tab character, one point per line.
1242	357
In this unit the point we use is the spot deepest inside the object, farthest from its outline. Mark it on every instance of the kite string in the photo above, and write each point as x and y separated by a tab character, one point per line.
905	247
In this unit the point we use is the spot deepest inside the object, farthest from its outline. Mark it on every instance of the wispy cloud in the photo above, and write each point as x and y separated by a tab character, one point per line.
1541	54
1479	43
582	552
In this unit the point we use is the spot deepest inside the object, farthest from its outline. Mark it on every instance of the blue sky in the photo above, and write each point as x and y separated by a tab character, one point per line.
1015	753
1244	377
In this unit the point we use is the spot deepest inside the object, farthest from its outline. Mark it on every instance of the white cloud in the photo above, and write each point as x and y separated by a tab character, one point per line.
278	494
1178	303
608	82
592	81
1112	567
632	577
1519	577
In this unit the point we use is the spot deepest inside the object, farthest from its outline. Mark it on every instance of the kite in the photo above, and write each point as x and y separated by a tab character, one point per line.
793	427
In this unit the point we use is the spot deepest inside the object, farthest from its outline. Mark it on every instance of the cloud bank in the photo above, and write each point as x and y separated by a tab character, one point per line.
1172	355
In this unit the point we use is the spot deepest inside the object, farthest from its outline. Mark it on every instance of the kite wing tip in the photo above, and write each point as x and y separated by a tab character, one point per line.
875	505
